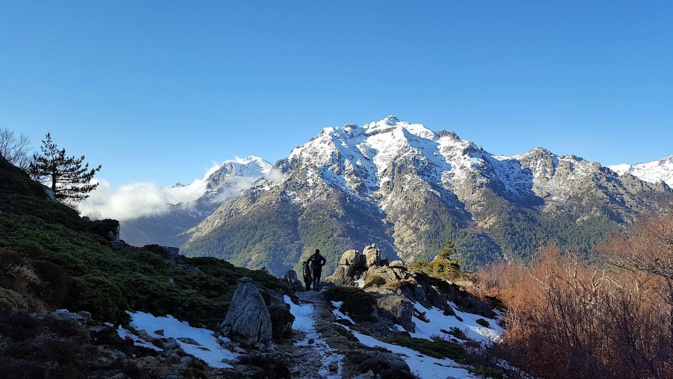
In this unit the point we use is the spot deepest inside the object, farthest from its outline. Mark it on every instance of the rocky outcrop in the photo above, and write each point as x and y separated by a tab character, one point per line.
292	280
372	255
398	309
248	318
396	287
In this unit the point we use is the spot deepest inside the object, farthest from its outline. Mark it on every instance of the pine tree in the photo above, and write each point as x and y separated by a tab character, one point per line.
448	250
69	180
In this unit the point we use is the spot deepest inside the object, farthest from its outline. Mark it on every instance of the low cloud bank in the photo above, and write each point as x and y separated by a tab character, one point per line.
135	200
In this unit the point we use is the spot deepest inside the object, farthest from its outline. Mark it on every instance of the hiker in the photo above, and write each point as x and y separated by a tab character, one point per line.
316	261
306	268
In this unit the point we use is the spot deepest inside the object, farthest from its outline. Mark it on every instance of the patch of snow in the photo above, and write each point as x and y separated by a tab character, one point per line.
338	314
421	365
137	341
654	172
208	350
439	324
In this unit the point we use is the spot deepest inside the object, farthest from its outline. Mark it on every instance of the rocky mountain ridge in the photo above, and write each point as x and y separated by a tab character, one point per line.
409	189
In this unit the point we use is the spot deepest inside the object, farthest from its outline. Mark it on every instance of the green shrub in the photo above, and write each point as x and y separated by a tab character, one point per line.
281	321
100	296
437	348
356	302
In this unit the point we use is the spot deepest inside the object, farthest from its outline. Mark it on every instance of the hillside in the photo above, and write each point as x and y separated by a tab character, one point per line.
51	259
409	190
75	303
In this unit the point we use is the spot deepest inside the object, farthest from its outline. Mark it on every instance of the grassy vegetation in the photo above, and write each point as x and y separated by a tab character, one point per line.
356	303
50	258
438	348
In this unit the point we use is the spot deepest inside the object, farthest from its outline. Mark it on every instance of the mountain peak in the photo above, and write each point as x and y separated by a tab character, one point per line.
391	120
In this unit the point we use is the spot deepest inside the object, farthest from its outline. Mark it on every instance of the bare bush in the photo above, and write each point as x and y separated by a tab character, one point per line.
569	319
14	148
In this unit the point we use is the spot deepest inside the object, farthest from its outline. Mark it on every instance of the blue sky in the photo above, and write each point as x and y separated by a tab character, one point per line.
159	90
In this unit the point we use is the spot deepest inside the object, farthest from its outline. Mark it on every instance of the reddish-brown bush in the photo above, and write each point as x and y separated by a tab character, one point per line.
568	319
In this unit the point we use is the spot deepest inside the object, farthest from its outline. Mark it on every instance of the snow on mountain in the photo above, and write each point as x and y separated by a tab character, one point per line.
408	188
181	207
235	176
362	161
653	172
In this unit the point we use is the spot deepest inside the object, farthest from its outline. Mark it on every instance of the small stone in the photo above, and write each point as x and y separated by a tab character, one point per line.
311	341
186	360
188	341
159	332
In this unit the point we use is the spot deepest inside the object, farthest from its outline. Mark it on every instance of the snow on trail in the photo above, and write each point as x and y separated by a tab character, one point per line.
314	342
425	366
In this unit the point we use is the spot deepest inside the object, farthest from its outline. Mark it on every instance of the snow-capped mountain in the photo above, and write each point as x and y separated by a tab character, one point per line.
409	189
653	172
194	202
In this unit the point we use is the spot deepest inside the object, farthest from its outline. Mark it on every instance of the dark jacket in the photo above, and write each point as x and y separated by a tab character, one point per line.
317	260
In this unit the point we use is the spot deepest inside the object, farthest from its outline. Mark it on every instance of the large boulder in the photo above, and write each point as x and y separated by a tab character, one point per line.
372	255
398	309
354	259
343	277
389	274
248	318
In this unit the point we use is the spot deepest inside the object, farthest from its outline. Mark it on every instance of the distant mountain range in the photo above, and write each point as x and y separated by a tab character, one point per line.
653	172
409	189
168	229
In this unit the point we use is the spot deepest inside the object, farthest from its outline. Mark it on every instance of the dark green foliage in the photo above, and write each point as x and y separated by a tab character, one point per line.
437	348
280	316
270	367
68	179
356	303
442	266
102	227
65	262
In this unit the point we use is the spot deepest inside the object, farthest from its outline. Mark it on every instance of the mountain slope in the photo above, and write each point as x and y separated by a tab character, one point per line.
228	180
409	189
653	172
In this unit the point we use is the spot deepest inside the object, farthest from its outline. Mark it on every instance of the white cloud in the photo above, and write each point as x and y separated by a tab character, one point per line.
127	202
275	176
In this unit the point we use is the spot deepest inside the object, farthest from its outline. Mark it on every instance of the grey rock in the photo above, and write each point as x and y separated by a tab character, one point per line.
170	343
292	280
343	277
397	309
354	259
188	341
248	318
389	274
372	255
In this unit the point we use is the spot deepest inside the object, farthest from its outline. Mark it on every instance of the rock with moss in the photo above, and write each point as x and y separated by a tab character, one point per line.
248	318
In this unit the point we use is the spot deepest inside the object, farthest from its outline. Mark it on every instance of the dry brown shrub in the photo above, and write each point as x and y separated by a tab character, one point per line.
568	319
